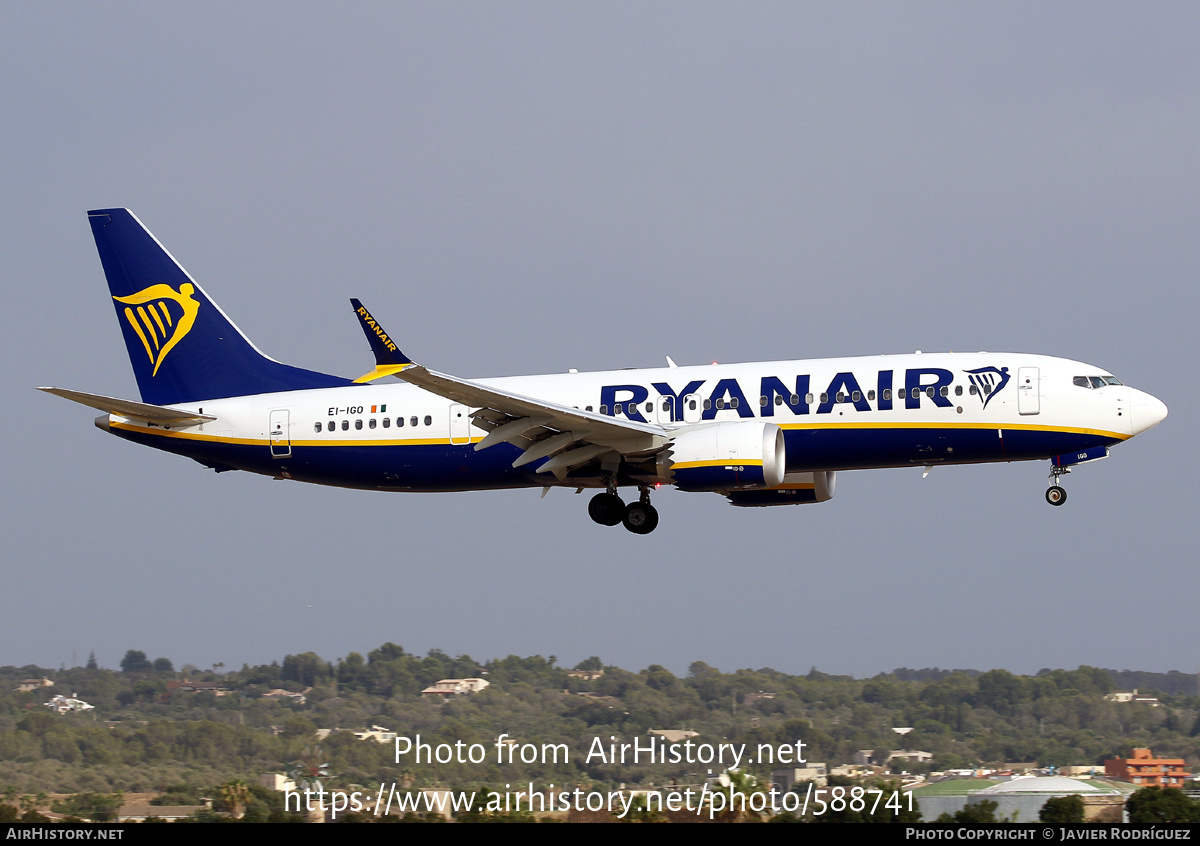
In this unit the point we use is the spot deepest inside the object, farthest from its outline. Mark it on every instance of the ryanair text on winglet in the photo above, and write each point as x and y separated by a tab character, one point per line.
370	321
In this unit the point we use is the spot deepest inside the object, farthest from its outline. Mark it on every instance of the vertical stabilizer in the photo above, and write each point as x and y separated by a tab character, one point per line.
182	346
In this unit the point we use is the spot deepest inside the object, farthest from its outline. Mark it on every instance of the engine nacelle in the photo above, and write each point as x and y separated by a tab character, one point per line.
797	489
725	457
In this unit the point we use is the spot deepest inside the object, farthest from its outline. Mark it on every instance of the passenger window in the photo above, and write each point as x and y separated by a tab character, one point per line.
428	420
357	424
779	399
795	398
824	398
650	407
762	401
708	404
387	422
371	423
412	421
692	405
887	393
345	425
958	390
604	409
589	408
632	409
666	405
945	391
871	396
916	393
808	399
841	397
733	403
929	392
317	428
721	403
856	396
974	391
399	422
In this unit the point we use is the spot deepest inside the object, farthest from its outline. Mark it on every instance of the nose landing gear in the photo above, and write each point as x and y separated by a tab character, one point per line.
1056	494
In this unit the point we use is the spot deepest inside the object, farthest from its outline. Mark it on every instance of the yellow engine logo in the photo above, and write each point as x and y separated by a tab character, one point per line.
153	321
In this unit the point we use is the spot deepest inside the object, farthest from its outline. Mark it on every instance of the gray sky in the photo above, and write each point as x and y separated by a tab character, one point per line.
527	187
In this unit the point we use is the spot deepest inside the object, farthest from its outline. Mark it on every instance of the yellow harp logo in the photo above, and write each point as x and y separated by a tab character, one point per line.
158	324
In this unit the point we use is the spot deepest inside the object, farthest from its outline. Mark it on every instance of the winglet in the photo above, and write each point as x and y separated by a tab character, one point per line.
388	358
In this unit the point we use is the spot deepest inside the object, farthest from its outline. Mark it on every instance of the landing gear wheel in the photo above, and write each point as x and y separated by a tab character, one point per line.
641	518
606	509
1056	495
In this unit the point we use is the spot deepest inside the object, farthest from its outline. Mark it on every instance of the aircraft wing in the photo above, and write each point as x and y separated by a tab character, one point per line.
128	408
577	436
567	437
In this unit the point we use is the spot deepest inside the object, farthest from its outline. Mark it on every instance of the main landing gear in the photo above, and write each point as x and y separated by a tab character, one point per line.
1056	494
639	517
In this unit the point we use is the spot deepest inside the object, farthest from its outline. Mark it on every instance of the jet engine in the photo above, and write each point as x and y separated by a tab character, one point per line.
725	457
797	489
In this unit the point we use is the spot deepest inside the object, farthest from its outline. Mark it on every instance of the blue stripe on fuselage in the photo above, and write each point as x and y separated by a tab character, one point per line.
835	448
456	467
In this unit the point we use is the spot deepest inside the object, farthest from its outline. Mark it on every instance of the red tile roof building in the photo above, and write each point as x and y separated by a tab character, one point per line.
1144	770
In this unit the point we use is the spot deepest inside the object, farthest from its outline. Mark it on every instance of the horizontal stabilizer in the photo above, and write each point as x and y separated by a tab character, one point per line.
129	408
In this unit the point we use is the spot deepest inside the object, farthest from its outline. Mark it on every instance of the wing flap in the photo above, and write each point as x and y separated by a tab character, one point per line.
625	436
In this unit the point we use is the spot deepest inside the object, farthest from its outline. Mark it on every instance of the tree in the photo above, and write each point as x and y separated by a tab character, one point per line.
136	662
91	664
1159	805
1062	809
163	665
236	795
975	813
307	668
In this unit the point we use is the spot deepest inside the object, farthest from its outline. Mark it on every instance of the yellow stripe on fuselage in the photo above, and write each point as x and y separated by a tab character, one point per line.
1024	427
225	439
721	462
1028	427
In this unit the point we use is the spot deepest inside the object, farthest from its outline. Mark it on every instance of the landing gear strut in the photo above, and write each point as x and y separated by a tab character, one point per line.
1056	494
639	517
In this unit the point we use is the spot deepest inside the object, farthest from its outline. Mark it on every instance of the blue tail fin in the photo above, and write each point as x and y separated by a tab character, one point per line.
182	346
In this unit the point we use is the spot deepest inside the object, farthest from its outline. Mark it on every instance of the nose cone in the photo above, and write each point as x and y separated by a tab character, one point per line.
1146	411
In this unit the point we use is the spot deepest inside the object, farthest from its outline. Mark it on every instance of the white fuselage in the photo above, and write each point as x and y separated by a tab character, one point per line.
838	413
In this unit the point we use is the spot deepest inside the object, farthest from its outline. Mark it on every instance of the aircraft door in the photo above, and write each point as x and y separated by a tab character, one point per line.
460	424
693	407
1029	390
664	410
281	444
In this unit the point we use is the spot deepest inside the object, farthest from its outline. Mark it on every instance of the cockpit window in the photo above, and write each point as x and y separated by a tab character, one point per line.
1093	382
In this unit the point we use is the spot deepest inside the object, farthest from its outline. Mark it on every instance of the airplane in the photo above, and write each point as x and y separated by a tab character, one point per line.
760	434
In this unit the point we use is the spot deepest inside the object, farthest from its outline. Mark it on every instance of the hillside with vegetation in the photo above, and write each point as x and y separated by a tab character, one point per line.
147	732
